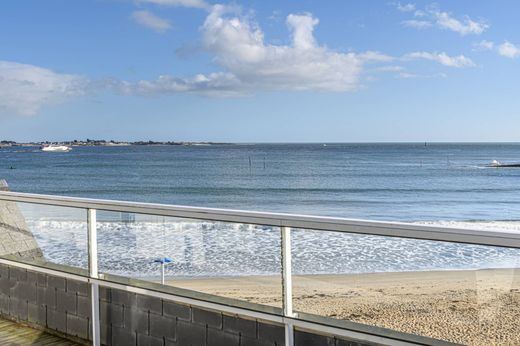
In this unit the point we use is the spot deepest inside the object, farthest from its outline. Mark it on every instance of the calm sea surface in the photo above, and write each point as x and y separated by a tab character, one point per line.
407	182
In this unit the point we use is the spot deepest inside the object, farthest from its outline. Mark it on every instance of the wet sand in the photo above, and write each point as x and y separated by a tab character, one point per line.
470	307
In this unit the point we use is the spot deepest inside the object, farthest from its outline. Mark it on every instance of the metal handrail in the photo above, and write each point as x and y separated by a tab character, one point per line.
295	221
285	222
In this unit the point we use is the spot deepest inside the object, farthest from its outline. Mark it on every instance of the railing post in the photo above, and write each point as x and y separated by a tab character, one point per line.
287	284
93	273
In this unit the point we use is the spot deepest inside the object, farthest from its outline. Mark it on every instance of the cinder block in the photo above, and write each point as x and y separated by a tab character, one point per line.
17	274
341	342
83	307
77	326
170	342
32	277
127	299
191	334
66	302
136	320
18	308
105	294
240	326
123	337
42	280
5	285
171	309
147	340
111	314
4	303
247	341
4	271
57	320
148	303
217	337
37	314
210	318
271	332
78	287
56	282
302	338
46	296
24	290
106	334
161	326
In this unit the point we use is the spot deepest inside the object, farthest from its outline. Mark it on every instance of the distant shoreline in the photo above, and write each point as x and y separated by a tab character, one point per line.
105	143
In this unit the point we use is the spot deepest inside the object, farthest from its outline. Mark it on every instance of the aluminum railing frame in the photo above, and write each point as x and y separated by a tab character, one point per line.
283	221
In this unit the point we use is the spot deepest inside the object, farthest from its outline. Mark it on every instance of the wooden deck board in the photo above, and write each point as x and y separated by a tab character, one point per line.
13	334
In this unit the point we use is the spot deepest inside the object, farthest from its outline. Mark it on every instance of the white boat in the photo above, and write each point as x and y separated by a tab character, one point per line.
55	148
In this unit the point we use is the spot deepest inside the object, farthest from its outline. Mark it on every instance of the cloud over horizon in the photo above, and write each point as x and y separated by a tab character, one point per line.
245	62
249	63
25	89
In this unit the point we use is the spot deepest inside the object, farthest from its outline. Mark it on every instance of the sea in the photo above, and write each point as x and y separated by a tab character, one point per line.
441	184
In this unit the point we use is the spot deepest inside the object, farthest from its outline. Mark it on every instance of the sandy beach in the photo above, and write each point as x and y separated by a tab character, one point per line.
479	307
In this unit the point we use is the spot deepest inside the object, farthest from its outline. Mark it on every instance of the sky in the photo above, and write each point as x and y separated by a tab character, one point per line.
260	71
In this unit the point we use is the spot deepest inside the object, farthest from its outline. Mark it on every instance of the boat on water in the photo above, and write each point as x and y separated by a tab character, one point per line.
55	148
498	164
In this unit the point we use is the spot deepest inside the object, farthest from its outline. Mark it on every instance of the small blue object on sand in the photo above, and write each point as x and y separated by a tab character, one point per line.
163	261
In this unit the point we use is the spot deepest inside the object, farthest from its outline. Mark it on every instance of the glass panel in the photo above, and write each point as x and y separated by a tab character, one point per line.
44	233
230	260
456	292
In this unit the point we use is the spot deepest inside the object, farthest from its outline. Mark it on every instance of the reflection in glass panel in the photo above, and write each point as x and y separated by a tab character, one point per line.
44	233
456	292
231	260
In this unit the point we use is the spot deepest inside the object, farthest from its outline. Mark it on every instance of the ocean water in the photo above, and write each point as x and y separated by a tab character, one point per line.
440	184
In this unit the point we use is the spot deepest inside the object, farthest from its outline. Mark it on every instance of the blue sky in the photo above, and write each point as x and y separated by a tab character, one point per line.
260	71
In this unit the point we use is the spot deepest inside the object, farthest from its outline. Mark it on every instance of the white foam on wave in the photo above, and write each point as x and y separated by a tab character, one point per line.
221	249
491	226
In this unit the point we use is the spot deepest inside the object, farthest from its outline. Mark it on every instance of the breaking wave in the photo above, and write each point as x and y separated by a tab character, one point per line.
205	249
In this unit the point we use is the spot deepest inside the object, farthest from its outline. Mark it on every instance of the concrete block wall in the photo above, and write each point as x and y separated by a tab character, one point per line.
63	307
15	236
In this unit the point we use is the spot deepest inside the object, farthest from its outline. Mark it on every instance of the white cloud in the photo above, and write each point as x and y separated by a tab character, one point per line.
506	49
405	7
483	45
444	20
249	63
213	84
442	58
465	27
25	89
389	69
151	21
239	47
179	3
417	24
419	13
406	75
509	50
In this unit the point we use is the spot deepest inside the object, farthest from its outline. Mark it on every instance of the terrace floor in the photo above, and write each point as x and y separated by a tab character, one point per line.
14	334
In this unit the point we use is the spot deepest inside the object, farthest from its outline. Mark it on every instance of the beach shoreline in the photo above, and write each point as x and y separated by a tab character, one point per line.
475	307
